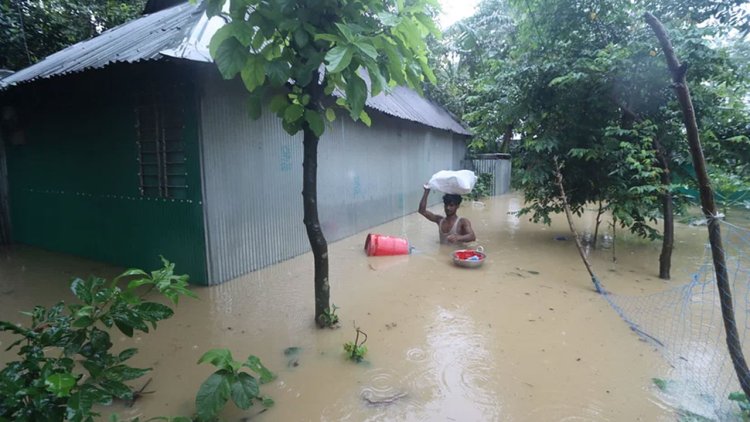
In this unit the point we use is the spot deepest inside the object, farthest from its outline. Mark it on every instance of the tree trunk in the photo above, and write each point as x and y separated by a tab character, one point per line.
667	244
318	242
599	213
707	201
569	216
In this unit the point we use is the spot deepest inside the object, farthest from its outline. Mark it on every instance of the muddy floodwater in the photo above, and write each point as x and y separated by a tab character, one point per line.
522	338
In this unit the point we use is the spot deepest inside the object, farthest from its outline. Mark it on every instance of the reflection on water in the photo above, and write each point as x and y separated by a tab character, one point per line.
522	338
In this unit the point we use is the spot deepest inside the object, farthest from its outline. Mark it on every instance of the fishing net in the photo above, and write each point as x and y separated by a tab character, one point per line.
685	323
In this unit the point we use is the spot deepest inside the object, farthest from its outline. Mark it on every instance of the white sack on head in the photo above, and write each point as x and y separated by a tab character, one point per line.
458	182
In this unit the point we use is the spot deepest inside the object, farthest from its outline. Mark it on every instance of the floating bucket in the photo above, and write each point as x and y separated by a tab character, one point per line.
381	245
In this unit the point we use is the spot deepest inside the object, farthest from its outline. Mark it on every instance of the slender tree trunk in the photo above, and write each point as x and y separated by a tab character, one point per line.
569	216
312	223
315	236
707	201
599	213
667	244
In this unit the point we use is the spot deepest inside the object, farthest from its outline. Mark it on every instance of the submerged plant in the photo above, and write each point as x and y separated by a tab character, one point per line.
67	365
230	381
356	350
329	318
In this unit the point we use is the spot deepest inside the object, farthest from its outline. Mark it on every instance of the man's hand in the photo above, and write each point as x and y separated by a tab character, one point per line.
452	238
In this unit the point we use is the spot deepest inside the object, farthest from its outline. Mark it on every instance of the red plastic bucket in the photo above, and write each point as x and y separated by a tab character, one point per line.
381	245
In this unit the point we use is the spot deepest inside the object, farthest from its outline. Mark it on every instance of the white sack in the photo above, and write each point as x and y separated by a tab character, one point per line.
458	182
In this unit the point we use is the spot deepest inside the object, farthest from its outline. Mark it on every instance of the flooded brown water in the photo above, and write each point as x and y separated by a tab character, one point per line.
522	338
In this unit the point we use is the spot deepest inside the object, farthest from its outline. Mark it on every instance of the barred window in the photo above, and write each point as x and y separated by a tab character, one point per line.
160	126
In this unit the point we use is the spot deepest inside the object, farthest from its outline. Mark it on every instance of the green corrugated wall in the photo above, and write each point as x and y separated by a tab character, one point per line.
74	182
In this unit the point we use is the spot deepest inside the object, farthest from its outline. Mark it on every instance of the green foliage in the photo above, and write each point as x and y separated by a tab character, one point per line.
230	381
32	30
482	188
354	349
742	402
67	365
329	318
365	47
587	82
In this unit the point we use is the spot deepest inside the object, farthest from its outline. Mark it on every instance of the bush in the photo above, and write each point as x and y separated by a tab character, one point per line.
67	365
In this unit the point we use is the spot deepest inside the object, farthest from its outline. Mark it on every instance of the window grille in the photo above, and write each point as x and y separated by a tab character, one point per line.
160	126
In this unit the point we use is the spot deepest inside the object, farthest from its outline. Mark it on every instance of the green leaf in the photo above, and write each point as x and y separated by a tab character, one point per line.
244	390
378	80
124	373
293	113
291	127
367	48
212	395
213	7
83	321
124	327
132	271
389	19
60	384
338	58
345	31
151	311
278	72
365	118
117	389
279	103
330	114
221	35
7	326
301	37
267	402
220	358
315	122
736	396
395	65
356	95
253	74
231	57
253	362
138	283
329	37
82	290
127	354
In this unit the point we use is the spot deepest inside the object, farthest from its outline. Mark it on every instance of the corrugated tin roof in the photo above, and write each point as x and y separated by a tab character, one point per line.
184	31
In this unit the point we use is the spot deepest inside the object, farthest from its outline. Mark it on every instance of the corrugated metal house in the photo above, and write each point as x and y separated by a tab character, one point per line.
130	145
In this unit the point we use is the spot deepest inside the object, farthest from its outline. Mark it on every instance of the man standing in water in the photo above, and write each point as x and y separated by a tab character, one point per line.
452	228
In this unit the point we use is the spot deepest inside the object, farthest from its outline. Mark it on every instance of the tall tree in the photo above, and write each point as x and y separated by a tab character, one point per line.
583	80
33	29
300	52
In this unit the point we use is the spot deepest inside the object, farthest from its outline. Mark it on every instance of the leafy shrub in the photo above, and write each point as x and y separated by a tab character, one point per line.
229	381
482	188
67	365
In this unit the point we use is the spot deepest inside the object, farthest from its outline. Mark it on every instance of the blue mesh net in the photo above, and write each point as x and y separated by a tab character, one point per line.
685	323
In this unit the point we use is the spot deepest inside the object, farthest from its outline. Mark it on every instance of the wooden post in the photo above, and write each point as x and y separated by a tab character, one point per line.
678	72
